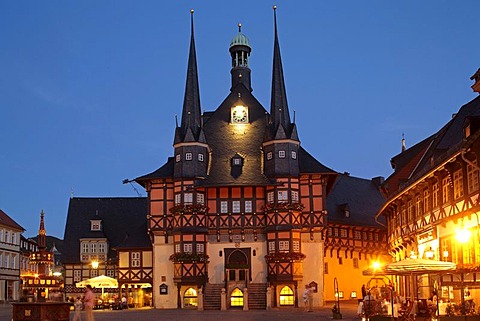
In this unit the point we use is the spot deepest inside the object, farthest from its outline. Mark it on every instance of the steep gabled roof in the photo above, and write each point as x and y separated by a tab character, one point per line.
431	152
123	221
361	197
7	221
165	171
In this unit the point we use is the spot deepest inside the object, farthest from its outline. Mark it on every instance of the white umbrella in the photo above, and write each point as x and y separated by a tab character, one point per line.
412	266
100	281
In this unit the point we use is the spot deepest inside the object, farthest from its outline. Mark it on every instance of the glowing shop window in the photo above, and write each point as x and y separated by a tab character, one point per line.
236	298
286	296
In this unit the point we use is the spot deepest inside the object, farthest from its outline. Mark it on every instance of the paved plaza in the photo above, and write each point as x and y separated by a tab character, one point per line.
349	312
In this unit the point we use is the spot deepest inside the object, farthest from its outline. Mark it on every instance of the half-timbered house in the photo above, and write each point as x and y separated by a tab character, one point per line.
108	236
236	216
433	202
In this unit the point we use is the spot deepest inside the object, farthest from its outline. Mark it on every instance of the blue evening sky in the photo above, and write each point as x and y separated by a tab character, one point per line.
89	89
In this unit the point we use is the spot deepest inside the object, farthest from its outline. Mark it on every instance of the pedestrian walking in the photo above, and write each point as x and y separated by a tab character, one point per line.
88	302
78	306
308	298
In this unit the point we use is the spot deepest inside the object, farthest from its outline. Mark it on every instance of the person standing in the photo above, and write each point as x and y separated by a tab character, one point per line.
78	305
308	298
89	301
364	291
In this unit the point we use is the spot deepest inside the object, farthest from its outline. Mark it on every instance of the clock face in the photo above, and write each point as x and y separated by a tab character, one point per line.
239	115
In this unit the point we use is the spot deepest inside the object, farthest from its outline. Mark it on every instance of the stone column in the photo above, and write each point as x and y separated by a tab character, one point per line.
223	300
269	298
245	299
200	299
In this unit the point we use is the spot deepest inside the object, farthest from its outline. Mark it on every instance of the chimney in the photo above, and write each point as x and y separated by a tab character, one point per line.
476	85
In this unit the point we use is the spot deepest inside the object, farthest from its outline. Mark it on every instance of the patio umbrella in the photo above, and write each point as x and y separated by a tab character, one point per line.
100	281
412	266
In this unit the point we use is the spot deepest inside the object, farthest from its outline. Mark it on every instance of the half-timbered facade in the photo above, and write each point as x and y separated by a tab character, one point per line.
10	232
353	240
433	200
238	212
108	236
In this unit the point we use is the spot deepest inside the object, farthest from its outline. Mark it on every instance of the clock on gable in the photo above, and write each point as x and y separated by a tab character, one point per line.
239	114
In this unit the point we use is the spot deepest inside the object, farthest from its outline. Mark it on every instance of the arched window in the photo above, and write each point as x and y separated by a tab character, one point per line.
236	298
190	298
286	296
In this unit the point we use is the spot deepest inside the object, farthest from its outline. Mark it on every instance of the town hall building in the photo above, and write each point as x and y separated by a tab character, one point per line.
236	215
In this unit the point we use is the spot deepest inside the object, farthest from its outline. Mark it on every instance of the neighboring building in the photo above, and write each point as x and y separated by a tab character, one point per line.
433	200
27	247
10	233
241	204
353	240
108	236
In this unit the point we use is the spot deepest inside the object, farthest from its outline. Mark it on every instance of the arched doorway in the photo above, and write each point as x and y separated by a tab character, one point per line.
236	298
287	296
190	299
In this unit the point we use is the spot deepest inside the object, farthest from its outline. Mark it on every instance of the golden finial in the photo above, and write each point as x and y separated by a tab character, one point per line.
274	7
192	11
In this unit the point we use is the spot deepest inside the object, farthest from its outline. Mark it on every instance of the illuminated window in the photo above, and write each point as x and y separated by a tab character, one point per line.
294	155
200	157
472	177
284	246
446	190
294	196
178	158
187	248
281	154
95	225
335	232
418	206
248	206
458	184
135	259
435	195
93	273
270	197
102	247
190	298
188	156
282	195
357	235
77	275
269	155
178	199
286	296
223	207
236	298
236	206
426	201
200	248
188	198
343	232
200	198
271	246
296	246
177	248
85	248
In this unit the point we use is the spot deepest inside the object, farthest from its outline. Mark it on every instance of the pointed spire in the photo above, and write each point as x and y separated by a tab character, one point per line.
279	107
191	113
42	233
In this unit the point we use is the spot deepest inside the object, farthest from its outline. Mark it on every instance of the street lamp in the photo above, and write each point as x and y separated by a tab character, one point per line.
95	264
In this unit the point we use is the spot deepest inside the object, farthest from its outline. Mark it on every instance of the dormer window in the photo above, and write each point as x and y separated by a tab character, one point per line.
237	160
95	225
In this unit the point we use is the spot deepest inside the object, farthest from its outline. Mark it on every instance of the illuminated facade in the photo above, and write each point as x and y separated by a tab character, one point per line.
433	202
237	215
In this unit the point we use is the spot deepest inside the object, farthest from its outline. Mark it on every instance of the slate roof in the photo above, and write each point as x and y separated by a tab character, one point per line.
124	224
363	198
431	152
7	221
225	142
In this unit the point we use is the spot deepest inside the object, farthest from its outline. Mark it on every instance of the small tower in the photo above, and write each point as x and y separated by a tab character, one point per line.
191	148
281	144
240	51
